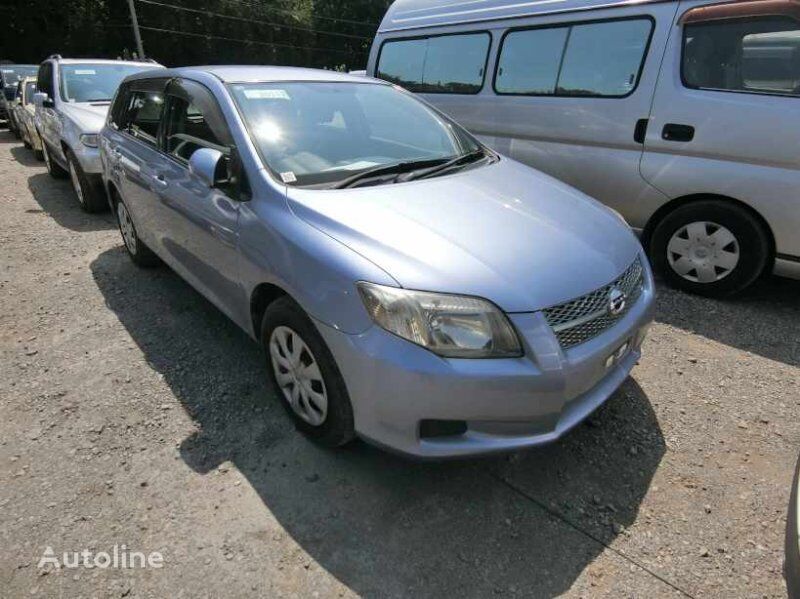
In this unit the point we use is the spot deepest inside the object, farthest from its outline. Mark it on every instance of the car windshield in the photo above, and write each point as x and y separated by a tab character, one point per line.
30	89
94	82
324	133
12	74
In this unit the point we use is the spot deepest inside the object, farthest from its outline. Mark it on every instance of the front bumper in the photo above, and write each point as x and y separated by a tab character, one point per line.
505	404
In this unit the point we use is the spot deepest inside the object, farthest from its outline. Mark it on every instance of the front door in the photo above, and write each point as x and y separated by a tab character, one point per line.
199	224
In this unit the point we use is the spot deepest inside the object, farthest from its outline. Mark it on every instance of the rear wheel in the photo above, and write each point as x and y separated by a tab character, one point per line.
305	375
137	250
710	247
88	193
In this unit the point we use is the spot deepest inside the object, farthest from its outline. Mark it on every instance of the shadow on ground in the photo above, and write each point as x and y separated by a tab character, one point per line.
56	198
764	320
529	523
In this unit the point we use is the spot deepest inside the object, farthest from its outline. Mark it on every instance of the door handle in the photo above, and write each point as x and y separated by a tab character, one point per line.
640	131
160	180
676	132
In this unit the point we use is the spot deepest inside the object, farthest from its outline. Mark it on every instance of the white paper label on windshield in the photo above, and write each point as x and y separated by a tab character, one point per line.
288	177
85	72
266	94
8	70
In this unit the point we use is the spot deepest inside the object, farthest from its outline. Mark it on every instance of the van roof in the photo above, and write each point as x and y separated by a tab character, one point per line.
414	14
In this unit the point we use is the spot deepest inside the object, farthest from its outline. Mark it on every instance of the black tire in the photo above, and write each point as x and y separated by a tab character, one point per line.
53	168
751	242
140	254
337	428
90	194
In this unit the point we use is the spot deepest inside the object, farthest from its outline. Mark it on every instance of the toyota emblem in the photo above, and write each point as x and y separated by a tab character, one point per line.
617	301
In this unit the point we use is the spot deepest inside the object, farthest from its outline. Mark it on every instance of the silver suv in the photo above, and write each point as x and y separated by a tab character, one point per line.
71	106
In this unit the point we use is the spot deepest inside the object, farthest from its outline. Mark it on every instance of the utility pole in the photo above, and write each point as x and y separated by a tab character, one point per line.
136	32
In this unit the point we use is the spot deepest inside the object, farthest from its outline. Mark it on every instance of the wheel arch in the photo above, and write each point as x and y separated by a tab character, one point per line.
261	297
675	203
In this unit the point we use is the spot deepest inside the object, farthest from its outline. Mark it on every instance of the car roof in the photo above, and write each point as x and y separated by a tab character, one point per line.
415	14
138	63
255	74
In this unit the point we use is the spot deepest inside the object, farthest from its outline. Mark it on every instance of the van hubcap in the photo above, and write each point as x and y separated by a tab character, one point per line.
703	252
298	375
126	228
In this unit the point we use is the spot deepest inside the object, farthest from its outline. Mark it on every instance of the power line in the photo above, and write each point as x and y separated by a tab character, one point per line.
246	20
231	39
292	14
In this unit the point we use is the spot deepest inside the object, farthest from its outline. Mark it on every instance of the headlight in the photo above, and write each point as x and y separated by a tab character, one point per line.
452	326
89	140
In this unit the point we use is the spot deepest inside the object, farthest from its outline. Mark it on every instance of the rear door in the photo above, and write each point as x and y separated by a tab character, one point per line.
198	223
727	108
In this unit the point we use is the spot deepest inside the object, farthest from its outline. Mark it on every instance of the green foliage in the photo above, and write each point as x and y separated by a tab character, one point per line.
315	33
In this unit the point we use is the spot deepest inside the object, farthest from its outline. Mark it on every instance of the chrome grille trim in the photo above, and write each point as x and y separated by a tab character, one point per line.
581	319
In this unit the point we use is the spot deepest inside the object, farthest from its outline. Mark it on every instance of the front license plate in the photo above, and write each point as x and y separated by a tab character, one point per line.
618	354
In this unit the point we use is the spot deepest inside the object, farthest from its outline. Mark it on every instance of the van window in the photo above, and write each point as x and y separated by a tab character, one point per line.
144	116
453	64
187	130
585	59
757	55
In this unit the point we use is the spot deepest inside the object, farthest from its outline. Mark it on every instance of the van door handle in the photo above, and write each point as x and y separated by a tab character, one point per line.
160	180
675	132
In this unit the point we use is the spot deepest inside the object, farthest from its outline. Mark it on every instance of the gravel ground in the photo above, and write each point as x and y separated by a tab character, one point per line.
134	413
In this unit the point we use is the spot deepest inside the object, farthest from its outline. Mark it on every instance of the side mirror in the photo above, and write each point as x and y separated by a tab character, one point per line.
204	163
43	100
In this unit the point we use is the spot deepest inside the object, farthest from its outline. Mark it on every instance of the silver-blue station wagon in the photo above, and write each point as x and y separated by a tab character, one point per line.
410	286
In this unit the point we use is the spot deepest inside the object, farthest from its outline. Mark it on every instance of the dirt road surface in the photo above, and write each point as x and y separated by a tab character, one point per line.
133	413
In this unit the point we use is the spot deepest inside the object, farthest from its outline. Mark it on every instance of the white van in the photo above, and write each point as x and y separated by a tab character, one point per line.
684	116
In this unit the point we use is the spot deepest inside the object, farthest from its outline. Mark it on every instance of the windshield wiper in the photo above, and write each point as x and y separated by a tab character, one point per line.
388	169
472	156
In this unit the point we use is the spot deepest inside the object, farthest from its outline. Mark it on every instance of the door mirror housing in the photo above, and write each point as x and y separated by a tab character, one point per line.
43	100
204	164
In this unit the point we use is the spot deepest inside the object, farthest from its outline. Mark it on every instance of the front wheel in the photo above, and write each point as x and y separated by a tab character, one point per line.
89	194
53	168
305	375
710	247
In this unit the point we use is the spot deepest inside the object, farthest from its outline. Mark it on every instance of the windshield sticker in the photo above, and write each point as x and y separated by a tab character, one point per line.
266	94
288	177
85	72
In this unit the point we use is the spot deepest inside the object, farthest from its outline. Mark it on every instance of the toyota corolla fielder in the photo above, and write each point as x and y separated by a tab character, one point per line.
410	286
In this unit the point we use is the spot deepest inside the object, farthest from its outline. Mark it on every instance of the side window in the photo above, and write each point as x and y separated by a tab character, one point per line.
45	79
119	109
453	64
755	55
585	59
187	130
144	115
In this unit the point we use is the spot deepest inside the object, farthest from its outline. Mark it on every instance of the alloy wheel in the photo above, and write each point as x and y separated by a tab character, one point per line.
703	252
298	375
76	182
126	227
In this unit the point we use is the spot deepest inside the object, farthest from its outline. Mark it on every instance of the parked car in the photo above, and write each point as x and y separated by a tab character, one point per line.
409	285
24	116
673	113
70	108
10	74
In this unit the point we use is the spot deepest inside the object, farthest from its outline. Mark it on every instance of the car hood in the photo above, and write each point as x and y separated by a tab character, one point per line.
504	232
89	117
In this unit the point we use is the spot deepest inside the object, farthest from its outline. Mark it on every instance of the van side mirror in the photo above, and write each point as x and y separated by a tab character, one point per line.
43	100
204	164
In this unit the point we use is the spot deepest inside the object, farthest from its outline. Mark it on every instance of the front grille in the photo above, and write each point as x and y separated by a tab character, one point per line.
584	318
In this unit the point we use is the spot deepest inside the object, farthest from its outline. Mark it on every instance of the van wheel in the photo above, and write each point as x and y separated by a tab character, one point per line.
89	194
53	167
305	376
137	250
710	247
